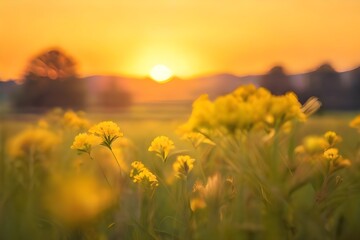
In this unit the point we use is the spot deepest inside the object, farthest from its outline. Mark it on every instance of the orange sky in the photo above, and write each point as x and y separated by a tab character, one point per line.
192	37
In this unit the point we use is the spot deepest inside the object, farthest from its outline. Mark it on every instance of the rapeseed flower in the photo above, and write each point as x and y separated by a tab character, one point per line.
34	142
355	123
85	142
245	109
183	165
140	174
75	121
108	131
331	154
332	138
162	146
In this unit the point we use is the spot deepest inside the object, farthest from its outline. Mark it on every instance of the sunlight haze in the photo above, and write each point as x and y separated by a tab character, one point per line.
129	37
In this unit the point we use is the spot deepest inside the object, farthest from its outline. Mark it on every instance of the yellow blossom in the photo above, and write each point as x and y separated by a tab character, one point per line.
34	141
162	146
84	142
183	165
140	174
75	121
315	144
108	131
355	123
331	154
332	138
42	123
197	203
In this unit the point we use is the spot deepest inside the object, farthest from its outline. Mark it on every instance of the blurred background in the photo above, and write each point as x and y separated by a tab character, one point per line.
119	54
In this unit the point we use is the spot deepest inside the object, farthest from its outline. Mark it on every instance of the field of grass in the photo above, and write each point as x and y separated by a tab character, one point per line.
271	176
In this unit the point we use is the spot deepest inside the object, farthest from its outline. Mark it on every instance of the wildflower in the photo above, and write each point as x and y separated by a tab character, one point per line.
34	141
332	138
355	123
331	154
75	121
343	163
197	203
77	199
315	144
285	108
140	174
202	114
108	131
84	142
183	165
162	146
42	123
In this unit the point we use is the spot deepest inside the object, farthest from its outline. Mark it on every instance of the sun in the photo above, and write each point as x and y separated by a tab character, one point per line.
161	73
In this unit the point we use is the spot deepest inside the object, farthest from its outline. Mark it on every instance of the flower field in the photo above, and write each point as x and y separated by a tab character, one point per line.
246	165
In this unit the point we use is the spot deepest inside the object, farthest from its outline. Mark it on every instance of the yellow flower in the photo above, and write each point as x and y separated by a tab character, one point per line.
108	131
197	203
343	163
34	141
315	144
162	146
332	138
183	165
331	154
42	123
77	199
140	174
355	123
74	121
84	142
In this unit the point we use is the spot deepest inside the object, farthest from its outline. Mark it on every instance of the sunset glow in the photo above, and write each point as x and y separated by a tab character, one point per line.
128	37
161	73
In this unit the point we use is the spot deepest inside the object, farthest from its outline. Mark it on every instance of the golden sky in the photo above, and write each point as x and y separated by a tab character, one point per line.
191	37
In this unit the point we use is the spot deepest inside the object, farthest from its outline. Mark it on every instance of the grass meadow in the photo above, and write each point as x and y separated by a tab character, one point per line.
247	165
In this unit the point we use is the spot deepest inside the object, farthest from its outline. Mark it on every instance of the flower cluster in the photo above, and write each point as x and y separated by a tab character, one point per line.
108	131
323	149
31	142
162	146
65	120
75	120
140	174
245	109
104	133
183	165
84	142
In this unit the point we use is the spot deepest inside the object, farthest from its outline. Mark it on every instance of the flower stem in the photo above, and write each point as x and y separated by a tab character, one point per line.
101	170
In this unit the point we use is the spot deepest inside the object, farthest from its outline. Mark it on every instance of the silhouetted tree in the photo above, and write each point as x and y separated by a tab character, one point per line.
355	88
51	81
276	80
325	83
113	96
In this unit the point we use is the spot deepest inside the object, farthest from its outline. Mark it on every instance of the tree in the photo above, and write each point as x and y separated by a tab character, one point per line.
276	81
50	80
325	83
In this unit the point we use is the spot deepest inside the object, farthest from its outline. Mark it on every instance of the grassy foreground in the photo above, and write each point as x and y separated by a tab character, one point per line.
248	165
